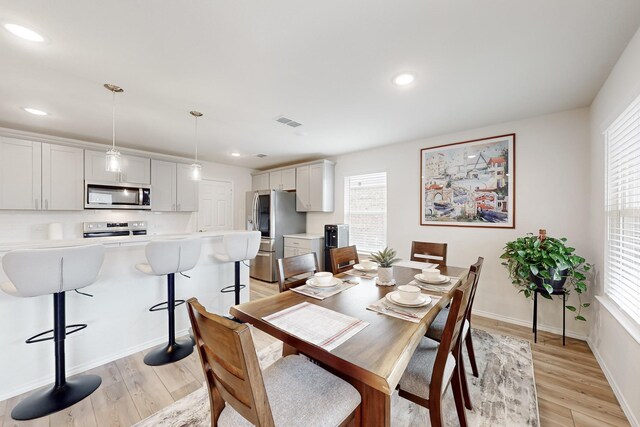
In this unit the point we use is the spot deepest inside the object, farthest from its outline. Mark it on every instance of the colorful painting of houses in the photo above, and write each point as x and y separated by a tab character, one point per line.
469	183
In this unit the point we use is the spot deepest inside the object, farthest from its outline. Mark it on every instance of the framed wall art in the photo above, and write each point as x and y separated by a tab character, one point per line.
469	183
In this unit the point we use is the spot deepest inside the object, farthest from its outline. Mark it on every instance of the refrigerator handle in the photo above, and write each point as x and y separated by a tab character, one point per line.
256	214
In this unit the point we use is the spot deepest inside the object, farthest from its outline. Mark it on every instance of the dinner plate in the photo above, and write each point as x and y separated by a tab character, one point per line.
360	267
441	280
333	282
394	297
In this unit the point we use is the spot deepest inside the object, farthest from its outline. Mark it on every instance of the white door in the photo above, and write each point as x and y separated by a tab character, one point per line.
215	213
20	174
62	178
163	186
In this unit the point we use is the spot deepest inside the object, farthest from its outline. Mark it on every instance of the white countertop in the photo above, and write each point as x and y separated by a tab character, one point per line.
309	236
107	241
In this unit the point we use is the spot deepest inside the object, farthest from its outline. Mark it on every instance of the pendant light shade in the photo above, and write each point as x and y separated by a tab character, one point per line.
196	168
113	158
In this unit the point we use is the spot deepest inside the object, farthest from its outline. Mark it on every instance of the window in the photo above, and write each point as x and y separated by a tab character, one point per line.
622	271
365	210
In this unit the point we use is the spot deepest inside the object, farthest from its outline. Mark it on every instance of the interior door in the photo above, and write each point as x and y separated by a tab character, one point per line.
216	202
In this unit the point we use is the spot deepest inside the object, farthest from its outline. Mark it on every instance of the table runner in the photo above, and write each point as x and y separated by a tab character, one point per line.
322	293
317	325
412	314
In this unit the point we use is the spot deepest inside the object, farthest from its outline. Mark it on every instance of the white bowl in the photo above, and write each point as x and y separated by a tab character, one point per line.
322	277
409	293
368	265
431	274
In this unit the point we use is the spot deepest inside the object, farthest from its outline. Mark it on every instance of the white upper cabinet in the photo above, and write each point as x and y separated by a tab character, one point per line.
260	182
284	179
186	189
40	176
163	186
314	187
134	169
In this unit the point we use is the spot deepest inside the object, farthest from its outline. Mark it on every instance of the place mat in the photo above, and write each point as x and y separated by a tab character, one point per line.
415	264
412	314
317	325
442	289
366	275
322	293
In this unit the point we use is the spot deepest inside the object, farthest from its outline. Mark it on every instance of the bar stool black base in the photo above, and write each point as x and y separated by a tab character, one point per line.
169	353
56	398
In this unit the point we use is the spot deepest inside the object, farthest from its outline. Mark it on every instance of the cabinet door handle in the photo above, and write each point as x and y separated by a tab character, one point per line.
46	204
37	202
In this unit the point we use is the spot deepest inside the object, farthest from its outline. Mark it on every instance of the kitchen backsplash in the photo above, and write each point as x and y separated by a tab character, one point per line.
22	226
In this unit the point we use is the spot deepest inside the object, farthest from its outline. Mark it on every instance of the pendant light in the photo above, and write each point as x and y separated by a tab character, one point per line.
196	168
113	161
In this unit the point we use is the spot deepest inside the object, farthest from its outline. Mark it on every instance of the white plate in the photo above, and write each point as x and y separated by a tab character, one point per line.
395	298
333	282
360	267
441	280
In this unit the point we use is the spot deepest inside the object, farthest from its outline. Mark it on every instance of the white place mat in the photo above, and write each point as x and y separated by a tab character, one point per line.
415	264
412	314
366	275
322	293
442	289
317	325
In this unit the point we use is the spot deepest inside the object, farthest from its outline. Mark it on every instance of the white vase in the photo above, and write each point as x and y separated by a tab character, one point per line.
385	274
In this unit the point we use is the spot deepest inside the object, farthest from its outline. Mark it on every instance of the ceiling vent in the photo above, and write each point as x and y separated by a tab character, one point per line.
261	155
287	121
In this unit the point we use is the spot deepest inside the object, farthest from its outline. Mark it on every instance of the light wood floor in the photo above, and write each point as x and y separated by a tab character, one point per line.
572	390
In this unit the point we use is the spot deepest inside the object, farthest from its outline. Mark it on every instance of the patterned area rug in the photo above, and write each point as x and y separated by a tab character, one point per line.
503	395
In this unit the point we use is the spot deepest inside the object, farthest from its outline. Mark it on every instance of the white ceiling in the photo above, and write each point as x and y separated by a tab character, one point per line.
327	64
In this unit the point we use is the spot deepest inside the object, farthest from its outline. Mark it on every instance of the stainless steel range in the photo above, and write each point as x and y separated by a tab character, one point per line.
106	229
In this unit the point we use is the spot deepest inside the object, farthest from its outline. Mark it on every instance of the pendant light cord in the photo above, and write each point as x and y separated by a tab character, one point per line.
196	140
113	120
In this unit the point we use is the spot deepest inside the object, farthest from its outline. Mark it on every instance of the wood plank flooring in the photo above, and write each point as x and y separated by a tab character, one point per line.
572	390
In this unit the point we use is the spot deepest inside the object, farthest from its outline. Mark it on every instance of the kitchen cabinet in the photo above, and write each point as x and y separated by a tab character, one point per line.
260	182
284	179
40	176
186	189
134	169
315	187
300	244
163	186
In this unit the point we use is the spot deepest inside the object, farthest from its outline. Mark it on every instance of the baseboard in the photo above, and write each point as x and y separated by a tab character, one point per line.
626	408
520	322
32	385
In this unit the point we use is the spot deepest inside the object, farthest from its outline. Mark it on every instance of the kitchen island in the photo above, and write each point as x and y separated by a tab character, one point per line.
118	319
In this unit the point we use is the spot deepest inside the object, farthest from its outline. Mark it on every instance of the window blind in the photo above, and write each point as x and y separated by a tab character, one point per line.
365	210
622	270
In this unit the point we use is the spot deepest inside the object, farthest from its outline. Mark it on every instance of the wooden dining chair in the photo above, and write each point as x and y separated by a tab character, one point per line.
343	259
433	365
295	270
437	326
291	392
435	253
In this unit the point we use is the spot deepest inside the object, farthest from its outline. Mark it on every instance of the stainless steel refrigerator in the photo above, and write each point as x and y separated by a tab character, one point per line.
273	213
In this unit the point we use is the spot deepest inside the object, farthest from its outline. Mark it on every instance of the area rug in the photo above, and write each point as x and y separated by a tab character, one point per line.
503	395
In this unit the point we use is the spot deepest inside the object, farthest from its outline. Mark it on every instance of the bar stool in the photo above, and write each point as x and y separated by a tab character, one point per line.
168	257
36	272
236	247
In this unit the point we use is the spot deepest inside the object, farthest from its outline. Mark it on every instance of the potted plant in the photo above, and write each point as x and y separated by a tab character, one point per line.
548	265
385	259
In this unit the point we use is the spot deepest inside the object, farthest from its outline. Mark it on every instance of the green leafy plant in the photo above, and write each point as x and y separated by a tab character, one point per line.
535	263
385	258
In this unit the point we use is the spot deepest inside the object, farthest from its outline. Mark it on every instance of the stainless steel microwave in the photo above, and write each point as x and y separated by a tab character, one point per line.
99	195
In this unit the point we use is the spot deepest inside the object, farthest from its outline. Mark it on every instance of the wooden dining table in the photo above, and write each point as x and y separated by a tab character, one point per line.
374	359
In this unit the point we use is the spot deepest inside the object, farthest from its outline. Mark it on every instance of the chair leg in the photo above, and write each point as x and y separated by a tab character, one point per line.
435	411
472	355
456	388
463	382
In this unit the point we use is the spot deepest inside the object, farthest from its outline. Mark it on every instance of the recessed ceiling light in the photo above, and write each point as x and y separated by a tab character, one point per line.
235	154
403	79
24	33
472	156
35	111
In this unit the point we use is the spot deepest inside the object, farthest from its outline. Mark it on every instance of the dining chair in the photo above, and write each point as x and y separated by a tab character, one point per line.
343	259
433	365
437	326
291	392
294	271
435	253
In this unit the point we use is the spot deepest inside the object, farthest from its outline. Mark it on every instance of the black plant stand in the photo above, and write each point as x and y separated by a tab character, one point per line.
535	312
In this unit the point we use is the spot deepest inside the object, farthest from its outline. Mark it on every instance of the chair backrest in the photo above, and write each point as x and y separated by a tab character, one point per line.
343	259
241	245
475	268
294	271
435	253
173	256
37	272
230	366
450	342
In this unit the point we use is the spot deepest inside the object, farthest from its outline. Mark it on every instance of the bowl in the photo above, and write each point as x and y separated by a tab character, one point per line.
323	277
408	293
368	265
431	273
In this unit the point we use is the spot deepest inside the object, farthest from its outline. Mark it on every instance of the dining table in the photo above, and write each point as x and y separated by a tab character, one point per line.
374	359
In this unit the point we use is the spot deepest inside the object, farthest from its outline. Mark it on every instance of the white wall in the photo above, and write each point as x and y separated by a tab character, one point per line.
617	351
552	179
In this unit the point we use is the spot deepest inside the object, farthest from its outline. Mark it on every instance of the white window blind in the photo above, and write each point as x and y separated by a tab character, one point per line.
365	210
622	271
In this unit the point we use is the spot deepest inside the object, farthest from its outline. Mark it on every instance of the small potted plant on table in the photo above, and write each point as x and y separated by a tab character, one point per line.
385	259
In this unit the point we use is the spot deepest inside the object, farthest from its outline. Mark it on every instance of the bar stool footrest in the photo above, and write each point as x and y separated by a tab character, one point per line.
165	305
231	288
39	337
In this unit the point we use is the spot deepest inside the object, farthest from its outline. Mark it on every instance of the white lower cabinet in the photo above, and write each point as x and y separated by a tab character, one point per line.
300	244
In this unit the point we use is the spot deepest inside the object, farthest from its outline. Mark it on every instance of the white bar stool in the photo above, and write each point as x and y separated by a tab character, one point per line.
36	272
167	257
236	247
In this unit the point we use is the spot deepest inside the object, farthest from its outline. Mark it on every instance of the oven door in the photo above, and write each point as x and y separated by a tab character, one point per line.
113	196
